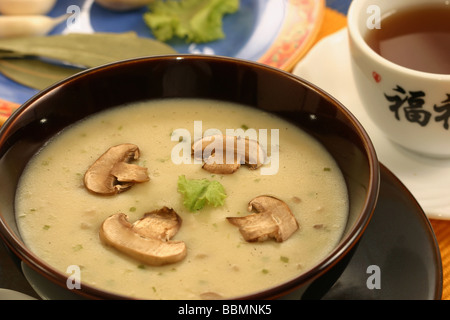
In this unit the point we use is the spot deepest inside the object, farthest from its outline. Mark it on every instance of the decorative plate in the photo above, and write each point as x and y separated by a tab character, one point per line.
274	32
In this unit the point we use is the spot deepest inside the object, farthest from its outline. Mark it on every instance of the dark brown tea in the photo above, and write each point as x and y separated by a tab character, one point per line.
417	38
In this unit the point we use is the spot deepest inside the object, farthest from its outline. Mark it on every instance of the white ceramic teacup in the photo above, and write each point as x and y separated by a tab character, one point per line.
412	108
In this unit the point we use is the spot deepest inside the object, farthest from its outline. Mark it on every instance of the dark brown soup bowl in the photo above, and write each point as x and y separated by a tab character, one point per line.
190	76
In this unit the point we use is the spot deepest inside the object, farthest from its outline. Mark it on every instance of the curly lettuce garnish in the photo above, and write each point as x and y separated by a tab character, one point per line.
196	21
199	192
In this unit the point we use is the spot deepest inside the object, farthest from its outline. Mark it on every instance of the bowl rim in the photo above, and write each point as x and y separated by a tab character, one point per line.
345	245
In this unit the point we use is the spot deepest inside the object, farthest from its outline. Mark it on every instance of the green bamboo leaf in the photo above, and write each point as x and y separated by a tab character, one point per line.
28	60
10	54
35	73
88	50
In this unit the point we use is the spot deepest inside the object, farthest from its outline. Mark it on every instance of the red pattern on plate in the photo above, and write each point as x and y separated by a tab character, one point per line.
6	109
297	35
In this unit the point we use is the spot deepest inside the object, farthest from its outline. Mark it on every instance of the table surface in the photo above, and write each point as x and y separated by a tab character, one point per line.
12	278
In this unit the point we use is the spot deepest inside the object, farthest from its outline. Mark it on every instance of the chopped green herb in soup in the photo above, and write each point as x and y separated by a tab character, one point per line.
181	228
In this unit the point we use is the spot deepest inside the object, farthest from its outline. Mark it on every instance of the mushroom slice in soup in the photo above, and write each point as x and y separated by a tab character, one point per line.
117	232
160	224
212	166
273	219
210	296
112	172
224	154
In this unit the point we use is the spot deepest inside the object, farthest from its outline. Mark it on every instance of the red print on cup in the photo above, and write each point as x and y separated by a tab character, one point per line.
376	76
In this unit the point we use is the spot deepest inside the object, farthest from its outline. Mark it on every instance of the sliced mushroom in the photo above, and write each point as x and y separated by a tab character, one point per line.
273	219
113	173
160	224
117	232
210	296
220	159
212	166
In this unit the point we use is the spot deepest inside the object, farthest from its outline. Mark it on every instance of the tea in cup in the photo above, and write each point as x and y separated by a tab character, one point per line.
400	54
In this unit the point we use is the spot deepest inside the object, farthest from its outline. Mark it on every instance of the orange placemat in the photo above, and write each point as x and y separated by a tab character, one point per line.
442	231
6	109
334	21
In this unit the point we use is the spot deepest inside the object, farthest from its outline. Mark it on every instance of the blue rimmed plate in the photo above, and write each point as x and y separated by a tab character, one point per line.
273	32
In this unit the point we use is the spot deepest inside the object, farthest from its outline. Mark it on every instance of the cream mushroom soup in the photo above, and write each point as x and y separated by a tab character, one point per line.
60	219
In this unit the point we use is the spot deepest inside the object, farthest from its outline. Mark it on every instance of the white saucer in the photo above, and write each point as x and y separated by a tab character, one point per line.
327	65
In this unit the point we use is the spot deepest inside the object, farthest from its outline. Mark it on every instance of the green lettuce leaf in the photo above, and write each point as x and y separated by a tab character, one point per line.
199	192
197	21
